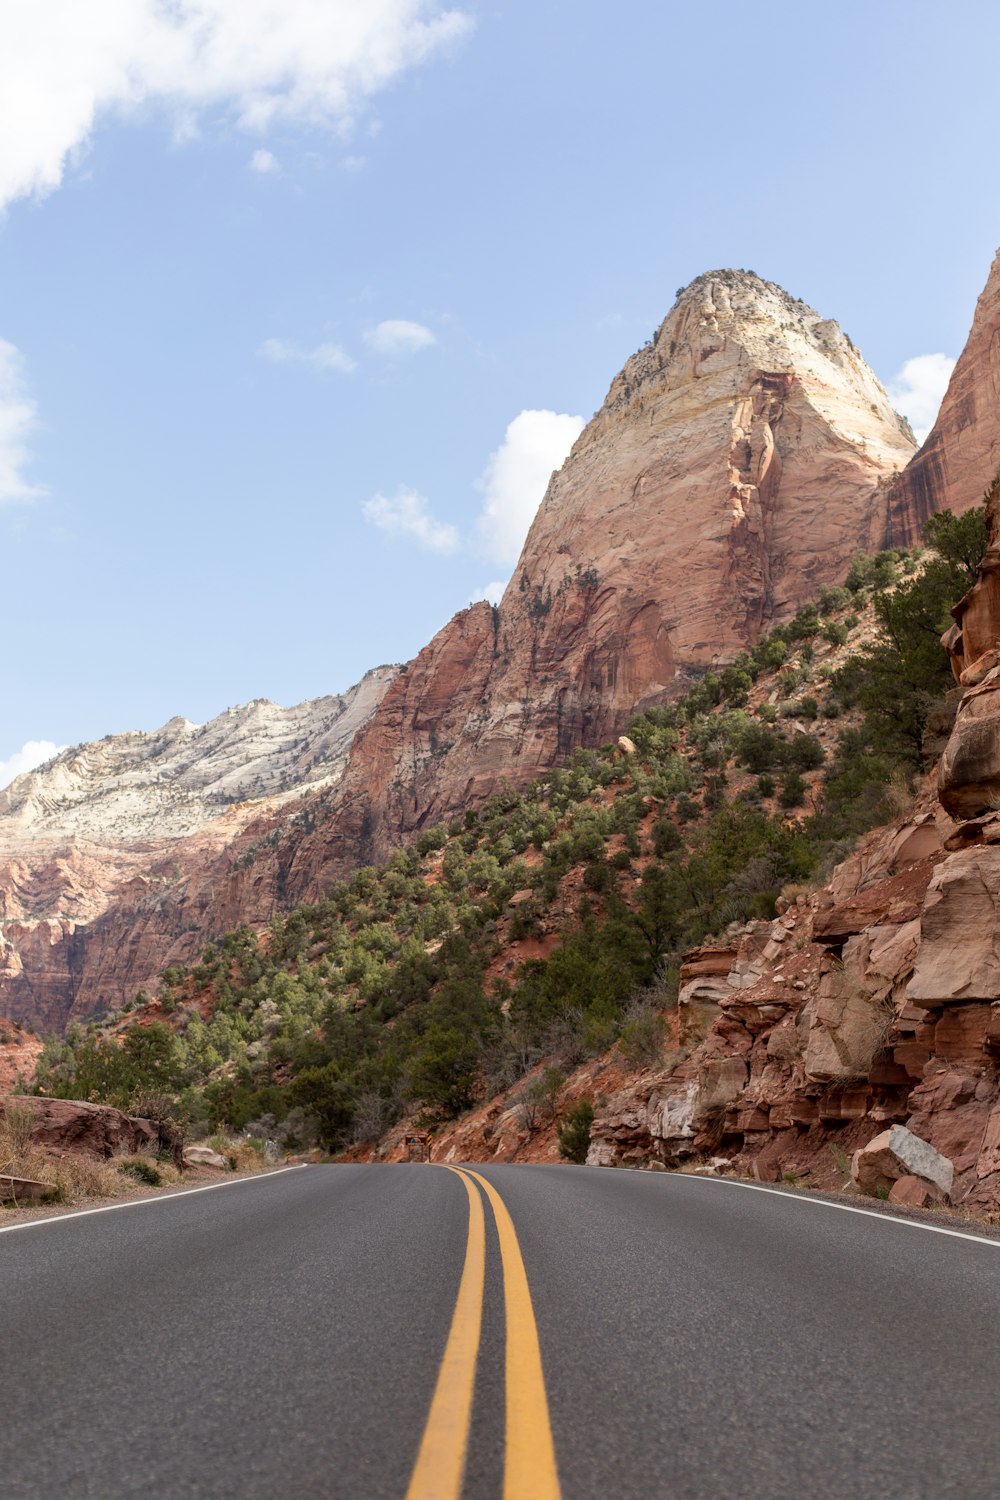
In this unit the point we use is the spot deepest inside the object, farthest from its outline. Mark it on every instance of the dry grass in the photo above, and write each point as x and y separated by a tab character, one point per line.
247	1157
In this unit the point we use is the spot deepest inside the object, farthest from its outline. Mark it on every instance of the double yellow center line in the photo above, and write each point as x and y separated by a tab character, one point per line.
529	1457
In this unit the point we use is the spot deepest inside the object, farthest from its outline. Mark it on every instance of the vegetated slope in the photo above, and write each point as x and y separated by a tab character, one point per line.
491	967
114	824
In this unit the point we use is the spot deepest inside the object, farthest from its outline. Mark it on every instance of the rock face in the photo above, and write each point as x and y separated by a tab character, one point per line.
732	471
109	853
969	769
864	1021
962	452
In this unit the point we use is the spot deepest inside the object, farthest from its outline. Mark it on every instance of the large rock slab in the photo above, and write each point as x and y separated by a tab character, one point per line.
845	1027
958	956
899	1153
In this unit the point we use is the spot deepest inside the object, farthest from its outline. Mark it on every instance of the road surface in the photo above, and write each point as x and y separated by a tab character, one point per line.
499	1333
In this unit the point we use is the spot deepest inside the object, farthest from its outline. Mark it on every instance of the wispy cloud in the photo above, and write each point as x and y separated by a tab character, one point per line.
320	357
398	336
65	66
491	592
918	389
264	162
31	754
406	515
513	482
516	476
18	421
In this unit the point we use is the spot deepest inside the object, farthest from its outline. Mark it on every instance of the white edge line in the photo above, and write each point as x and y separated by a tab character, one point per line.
845	1208
110	1208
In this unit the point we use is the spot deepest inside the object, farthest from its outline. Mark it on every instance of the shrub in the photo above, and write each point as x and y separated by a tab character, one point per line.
574	1132
666	838
142	1169
643	1032
793	790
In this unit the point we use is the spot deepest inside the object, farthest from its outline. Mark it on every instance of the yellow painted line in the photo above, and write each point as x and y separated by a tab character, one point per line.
441	1461
530	1462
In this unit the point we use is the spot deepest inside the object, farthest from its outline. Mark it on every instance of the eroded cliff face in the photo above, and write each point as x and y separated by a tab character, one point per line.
113	855
962	453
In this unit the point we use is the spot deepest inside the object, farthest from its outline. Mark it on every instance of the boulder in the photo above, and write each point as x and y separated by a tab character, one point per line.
913	1192
899	1153
203	1156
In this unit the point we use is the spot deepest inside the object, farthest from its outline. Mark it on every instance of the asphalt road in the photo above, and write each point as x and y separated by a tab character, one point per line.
355	1332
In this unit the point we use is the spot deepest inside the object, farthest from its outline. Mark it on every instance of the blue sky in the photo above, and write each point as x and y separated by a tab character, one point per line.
299	301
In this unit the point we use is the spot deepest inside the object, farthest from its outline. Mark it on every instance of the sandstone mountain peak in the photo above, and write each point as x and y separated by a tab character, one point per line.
733	470
736	317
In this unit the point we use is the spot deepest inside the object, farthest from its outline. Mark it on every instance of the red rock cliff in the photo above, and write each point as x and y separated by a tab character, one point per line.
962	451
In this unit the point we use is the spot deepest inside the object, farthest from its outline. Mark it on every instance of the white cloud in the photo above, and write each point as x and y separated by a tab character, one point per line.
405	514
492	592
918	388
321	357
18	420
397	336
66	66
264	161
31	754
516	477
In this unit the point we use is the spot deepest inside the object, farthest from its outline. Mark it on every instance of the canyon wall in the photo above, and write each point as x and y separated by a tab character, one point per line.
737	463
962	453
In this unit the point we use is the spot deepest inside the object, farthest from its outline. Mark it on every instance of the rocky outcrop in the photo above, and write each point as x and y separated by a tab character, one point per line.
95	1130
969	768
962	452
841	1019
